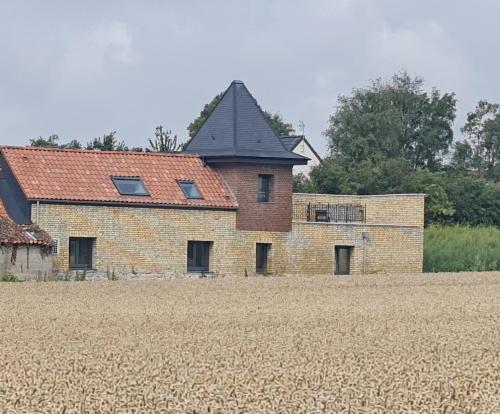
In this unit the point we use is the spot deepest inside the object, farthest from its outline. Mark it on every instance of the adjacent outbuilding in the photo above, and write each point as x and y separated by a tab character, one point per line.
25	250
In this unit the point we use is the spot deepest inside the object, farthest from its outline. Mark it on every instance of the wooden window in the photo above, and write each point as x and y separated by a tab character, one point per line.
343	260
132	186
189	188
198	256
81	252
262	257
264	188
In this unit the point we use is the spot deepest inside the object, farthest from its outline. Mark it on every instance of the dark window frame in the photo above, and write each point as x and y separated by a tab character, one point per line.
117	179
265	249
180	183
198	256
74	262
264	192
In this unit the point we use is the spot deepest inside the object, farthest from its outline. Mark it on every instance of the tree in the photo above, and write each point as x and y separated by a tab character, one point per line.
482	137
108	142
462	158
73	144
50	142
338	176
164	142
476	201
395	119
195	126
53	142
280	127
302	184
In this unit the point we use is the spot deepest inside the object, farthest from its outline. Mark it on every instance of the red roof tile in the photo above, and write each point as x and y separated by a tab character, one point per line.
12	233
85	176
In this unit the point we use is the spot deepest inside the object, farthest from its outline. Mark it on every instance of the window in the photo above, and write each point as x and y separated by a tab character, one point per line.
80	252
261	257
264	188
189	189
198	256
343	260
130	186
55	247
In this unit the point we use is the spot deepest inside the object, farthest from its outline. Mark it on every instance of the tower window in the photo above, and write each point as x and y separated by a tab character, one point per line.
264	188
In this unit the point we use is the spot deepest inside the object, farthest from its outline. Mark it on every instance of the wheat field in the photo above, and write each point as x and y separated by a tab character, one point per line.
360	344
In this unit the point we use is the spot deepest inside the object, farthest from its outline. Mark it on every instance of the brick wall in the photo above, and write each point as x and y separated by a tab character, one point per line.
394	209
276	215
391	239
154	240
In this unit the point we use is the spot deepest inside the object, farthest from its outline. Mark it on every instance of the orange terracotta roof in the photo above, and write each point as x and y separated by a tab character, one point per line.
12	233
86	176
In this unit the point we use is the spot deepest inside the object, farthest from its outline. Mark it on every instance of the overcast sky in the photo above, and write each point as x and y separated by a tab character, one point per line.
81	69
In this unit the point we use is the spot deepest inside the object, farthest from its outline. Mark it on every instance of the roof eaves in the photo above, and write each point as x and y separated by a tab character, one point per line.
231	205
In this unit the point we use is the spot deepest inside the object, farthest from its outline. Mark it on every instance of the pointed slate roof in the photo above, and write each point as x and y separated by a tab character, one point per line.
237	129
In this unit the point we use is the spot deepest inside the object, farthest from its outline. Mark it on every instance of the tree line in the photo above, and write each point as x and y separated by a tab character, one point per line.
396	137
393	136
162	139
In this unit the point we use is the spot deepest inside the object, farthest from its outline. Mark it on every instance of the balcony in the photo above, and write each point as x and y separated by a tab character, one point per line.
329	213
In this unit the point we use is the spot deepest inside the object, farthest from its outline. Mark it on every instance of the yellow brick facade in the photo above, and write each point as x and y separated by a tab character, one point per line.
137	240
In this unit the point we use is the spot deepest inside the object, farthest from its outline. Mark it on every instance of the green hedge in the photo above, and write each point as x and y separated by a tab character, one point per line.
461	248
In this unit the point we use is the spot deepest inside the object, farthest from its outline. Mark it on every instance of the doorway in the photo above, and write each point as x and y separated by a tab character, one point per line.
262	257
343	260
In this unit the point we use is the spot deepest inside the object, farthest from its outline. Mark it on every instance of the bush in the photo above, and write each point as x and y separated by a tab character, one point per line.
80	277
10	278
461	248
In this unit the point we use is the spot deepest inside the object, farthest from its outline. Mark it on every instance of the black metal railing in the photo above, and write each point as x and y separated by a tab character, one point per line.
326	212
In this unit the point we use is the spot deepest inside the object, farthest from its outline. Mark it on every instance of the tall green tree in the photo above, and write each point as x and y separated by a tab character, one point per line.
280	127
195	126
482	139
163	141
108	142
394	119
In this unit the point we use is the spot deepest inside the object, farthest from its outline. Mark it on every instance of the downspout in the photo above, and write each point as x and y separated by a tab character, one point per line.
37	211
365	248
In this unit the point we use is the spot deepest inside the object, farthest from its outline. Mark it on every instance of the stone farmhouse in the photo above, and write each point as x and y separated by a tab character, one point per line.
224	206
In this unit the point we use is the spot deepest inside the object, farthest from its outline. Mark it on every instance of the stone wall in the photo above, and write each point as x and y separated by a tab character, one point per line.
138	240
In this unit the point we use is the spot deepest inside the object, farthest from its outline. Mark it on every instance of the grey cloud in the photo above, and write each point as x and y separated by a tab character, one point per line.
81	69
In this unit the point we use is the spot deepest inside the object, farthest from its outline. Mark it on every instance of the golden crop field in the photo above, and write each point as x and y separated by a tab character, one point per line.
361	344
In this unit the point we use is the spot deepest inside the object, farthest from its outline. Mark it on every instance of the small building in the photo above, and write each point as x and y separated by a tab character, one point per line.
25	251
301	146
224	206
